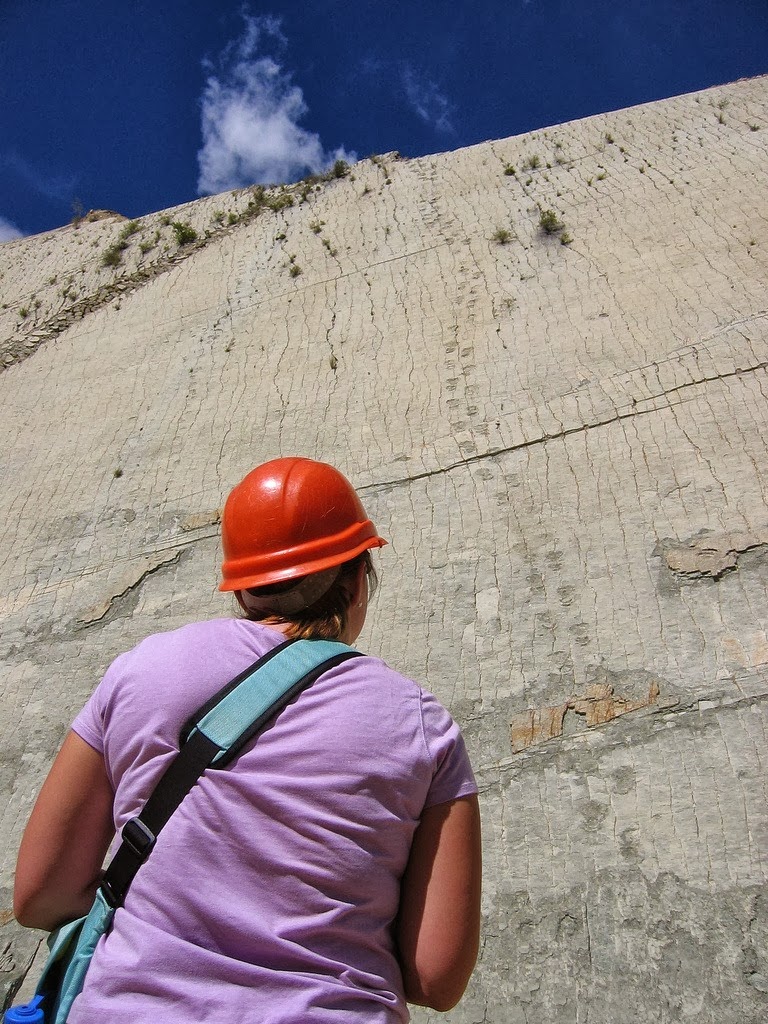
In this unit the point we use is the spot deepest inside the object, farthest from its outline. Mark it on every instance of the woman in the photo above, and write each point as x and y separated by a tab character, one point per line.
334	867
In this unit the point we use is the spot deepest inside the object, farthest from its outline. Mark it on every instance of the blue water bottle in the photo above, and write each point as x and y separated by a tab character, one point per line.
27	1013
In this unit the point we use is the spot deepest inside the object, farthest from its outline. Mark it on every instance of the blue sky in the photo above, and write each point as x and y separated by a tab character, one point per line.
141	105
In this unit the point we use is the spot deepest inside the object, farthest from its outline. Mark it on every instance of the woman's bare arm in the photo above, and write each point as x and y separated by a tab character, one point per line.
438	928
66	839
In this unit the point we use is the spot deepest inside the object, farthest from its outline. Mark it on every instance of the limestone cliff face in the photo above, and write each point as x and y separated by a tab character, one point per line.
562	432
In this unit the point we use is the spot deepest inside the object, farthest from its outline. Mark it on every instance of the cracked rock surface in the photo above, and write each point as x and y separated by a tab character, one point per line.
563	435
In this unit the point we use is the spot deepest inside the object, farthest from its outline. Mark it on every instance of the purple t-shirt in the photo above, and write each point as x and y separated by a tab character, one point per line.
271	892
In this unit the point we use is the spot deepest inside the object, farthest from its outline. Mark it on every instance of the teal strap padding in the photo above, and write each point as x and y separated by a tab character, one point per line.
259	691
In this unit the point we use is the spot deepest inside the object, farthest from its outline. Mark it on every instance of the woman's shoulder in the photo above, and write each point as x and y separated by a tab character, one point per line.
380	673
197	657
375	665
394	688
201	638
389	704
187	633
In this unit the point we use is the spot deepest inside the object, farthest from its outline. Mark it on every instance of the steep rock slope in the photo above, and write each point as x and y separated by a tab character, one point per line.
543	360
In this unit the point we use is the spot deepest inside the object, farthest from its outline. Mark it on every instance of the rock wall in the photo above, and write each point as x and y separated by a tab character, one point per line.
543	361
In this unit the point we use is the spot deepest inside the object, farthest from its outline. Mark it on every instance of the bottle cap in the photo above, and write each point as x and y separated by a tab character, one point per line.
27	1013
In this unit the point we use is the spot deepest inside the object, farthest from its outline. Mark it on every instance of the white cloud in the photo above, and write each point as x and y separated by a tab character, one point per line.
250	118
427	101
8	230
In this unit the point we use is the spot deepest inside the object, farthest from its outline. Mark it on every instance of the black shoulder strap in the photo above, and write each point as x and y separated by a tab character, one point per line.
214	735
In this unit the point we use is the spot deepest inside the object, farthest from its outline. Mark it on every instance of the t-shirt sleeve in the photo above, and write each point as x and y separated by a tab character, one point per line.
452	772
89	723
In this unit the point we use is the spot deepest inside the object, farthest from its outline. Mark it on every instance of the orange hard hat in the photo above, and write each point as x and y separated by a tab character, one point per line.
289	518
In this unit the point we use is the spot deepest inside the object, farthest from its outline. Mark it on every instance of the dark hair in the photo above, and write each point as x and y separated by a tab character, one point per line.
327	617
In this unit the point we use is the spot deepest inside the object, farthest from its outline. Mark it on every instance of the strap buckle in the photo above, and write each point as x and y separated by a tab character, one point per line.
137	842
138	837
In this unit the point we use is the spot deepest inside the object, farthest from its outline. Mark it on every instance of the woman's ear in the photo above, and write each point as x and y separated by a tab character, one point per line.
356	589
360	585
240	601
350	586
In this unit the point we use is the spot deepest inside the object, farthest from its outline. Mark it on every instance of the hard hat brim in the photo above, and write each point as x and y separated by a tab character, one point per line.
242	574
